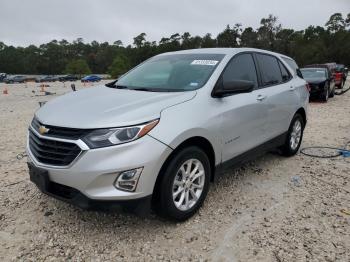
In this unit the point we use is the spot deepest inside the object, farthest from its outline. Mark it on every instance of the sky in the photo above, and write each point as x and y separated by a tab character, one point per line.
25	22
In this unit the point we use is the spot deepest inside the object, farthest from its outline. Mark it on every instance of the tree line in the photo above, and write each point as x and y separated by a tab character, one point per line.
315	44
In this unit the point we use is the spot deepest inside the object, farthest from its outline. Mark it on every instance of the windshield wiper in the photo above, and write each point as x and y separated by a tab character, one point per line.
145	89
114	85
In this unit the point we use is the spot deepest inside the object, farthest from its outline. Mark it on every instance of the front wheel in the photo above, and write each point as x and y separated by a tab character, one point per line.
332	92
325	94
184	184
294	136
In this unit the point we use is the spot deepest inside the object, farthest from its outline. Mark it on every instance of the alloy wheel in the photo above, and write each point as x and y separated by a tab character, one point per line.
295	136
188	184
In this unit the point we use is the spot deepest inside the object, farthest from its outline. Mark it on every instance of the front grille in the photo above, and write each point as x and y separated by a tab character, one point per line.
52	152
314	86
61	132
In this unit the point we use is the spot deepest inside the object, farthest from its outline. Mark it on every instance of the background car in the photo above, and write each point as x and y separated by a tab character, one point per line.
67	78
321	81
341	73
91	78
41	79
2	76
15	79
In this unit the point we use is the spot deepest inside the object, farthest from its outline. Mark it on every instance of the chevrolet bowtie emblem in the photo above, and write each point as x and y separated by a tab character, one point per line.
43	130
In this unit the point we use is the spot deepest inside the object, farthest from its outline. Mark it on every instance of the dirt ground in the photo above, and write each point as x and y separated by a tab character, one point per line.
272	209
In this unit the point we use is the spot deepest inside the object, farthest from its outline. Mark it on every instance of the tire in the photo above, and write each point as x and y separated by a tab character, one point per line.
332	93
170	205
289	149
325	94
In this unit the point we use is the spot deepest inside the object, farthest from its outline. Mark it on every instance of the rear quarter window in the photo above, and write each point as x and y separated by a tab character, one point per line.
285	74
293	65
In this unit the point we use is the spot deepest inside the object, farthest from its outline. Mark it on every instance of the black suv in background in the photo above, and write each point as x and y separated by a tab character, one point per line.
2	76
67	78
15	79
321	81
41	79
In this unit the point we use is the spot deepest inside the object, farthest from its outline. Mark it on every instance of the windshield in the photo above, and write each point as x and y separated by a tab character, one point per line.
339	68
314	73
178	72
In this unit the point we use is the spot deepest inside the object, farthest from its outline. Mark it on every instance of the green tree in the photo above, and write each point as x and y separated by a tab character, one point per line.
139	40
315	44
78	67
267	32
229	37
348	20
208	41
336	23
119	66
249	38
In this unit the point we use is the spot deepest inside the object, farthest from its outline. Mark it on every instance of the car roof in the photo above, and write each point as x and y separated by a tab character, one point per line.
315	68
224	51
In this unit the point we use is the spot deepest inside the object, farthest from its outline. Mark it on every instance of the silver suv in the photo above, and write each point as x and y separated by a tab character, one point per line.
159	134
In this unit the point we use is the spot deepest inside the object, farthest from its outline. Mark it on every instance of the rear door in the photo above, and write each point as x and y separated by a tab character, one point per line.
243	116
282	96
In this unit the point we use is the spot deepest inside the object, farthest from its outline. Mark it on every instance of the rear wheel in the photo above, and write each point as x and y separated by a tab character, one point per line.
184	185
294	136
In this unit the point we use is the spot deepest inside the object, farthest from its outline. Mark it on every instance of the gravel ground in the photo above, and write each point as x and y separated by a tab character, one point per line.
253	213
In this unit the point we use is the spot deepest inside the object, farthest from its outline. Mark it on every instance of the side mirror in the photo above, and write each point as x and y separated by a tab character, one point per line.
234	87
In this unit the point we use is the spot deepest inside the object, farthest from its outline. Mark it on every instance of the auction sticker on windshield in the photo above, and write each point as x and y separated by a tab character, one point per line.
204	62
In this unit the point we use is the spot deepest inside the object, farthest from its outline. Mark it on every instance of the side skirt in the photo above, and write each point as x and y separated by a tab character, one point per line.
252	153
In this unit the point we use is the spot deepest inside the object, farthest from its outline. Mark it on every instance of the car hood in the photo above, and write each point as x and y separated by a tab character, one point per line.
315	81
101	107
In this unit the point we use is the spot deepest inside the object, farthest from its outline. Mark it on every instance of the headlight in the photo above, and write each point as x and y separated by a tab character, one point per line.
115	136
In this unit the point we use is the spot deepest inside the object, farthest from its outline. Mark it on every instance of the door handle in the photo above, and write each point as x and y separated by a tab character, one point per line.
291	88
261	97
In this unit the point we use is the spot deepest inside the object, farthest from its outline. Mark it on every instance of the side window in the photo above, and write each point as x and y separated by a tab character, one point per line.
270	70
285	74
241	67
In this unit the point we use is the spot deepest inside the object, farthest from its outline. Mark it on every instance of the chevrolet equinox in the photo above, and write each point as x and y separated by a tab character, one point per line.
157	136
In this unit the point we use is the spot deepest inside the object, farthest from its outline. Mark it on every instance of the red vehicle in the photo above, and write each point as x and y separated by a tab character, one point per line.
341	73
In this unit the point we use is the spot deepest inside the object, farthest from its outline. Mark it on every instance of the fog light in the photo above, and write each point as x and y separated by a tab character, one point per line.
127	180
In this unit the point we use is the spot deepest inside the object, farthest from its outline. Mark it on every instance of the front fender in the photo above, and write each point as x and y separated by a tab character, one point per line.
180	123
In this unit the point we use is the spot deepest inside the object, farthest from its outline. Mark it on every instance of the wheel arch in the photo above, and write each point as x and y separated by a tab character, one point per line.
199	141
301	111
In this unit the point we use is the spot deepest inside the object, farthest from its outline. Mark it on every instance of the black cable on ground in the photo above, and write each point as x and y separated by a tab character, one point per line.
342	92
335	151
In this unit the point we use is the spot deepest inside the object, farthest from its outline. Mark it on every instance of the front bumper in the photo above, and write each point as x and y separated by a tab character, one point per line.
75	197
94	172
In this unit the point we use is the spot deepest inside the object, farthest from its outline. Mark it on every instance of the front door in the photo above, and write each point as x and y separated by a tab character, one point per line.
243	116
